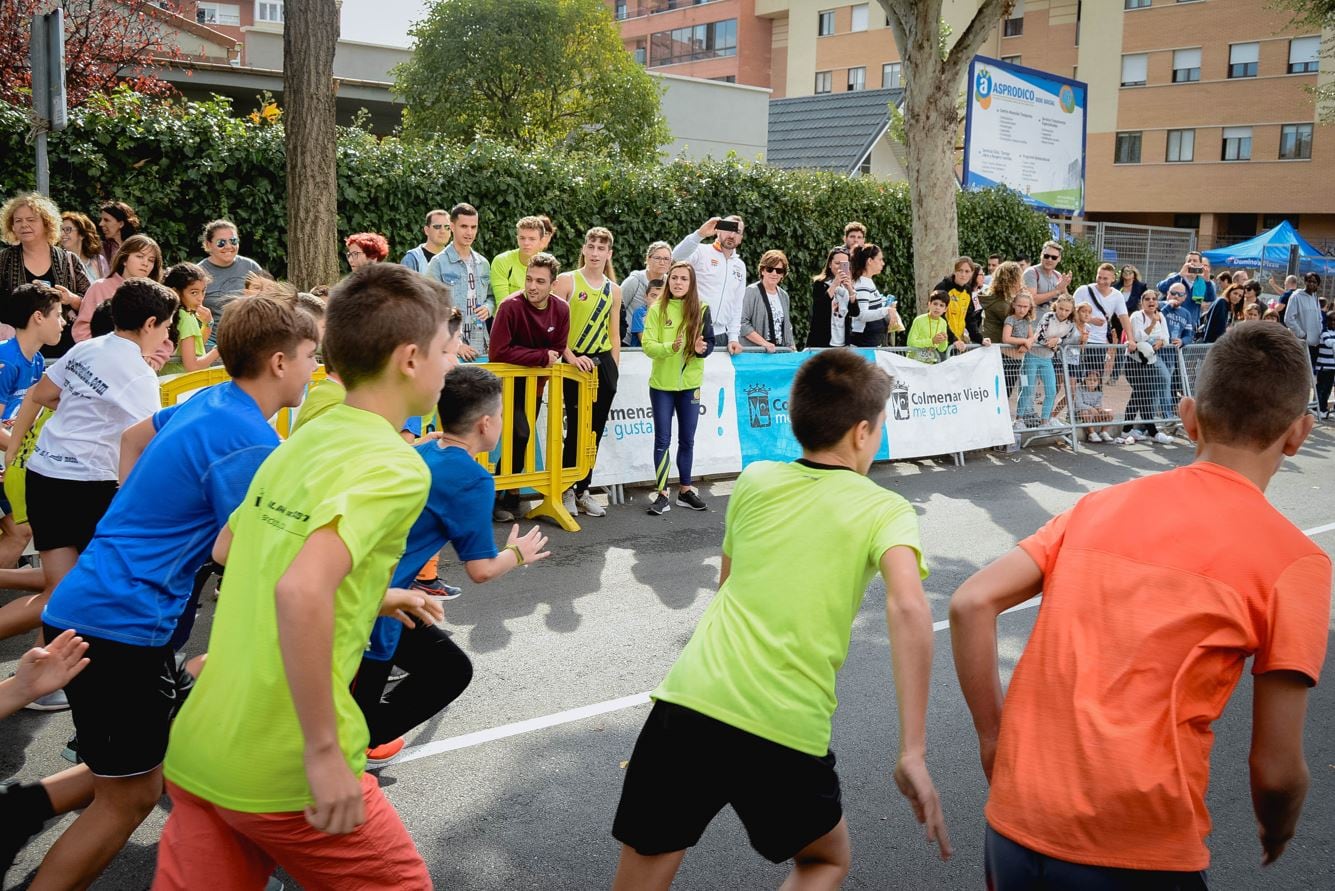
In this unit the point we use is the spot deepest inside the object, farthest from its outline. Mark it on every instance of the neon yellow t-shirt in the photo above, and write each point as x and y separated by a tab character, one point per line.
237	741
804	544
319	399
187	327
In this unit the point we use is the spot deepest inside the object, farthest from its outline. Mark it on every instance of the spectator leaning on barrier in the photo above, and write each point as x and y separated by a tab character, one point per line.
595	346
873	313
1195	277
1183	315
826	287
1007	284
720	274
118	221
1149	372
634	290
1043	281
437	232
467	273
1109	318
1302	314
963	316
30	223
507	268
534	332
766	311
928	338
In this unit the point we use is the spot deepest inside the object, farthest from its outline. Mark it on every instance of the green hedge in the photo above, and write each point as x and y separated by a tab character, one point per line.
182	164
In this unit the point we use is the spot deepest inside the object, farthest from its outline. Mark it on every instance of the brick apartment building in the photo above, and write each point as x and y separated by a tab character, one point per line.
1201	114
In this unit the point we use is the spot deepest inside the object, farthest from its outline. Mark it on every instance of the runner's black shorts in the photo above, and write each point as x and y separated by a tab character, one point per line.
64	513
687	766
123	702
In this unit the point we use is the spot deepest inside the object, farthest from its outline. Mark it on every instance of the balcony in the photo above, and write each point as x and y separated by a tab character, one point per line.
625	10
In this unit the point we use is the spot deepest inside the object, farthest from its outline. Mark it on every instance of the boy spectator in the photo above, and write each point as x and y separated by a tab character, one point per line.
855	236
1195	277
1099	758
131	584
532	332
467	273
266	760
743	717
720	275
1043	281
437	232
507	270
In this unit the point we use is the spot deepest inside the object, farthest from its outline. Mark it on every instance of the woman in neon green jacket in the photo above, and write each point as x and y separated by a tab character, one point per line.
673	338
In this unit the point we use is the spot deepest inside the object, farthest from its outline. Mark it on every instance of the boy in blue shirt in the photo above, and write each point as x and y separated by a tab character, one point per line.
127	590
457	512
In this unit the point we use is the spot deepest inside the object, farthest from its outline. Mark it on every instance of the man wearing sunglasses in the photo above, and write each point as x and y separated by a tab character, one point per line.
437	231
1043	280
468	274
226	267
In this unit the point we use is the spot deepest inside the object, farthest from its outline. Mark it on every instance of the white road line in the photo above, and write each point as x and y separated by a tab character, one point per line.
491	734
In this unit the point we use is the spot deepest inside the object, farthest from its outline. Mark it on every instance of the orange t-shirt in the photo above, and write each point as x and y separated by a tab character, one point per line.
1153	597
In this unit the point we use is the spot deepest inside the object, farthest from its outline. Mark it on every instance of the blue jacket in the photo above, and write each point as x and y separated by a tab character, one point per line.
1178	279
415	259
1182	321
448	268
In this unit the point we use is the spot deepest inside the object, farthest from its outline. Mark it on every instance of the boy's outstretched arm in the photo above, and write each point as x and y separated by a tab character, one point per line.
909	620
974	608
1279	773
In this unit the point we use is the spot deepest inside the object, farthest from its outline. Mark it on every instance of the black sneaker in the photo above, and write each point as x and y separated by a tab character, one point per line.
690	499
661	505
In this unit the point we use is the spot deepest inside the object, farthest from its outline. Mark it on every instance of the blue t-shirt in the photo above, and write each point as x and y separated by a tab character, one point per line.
135	577
458	511
18	374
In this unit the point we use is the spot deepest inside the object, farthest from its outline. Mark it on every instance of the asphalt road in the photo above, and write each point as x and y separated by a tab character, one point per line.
494	805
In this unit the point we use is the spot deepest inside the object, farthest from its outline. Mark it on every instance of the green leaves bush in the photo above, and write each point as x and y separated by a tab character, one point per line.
182	164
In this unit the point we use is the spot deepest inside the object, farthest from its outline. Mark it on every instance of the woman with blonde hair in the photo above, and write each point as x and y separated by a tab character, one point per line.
30	224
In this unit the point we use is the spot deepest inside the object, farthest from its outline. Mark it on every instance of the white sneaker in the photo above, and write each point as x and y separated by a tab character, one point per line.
1163	438
1103	437
1093	436
1138	435
1124	440
568	501
588	506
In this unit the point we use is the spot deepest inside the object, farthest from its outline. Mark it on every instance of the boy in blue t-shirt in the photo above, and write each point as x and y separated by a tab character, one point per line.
34	312
457	512
127	591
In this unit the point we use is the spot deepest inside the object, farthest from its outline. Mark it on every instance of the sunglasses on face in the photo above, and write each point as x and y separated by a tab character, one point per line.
224	242
1052	256
439	226
779	270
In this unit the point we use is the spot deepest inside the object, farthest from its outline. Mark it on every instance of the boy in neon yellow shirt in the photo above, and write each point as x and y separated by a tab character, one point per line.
929	331
743	717
266	760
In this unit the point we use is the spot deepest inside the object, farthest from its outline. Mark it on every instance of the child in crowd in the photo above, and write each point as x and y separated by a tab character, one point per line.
1271	315
744	715
1055	331
1325	367
131	585
193	321
652	291
1089	408
101	386
266	760
928	337
1251	313
1019	333
458	513
1099	757
675	339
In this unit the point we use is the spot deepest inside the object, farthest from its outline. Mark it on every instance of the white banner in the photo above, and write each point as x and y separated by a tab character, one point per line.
954	406
627	451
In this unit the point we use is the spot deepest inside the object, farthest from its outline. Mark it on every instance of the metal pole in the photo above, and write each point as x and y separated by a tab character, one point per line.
43	167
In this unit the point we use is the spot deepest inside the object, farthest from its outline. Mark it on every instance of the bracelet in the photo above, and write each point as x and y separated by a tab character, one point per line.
519	556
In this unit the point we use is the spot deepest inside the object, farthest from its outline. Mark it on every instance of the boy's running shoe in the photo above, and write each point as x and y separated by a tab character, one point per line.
660	505
436	588
691	500
51	702
71	751
379	756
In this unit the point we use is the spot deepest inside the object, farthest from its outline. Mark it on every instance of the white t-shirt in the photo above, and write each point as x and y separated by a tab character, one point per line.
719	280
838	316
105	387
1114	303
1141	322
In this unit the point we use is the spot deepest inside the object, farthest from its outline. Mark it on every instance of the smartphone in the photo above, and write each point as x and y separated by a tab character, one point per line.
1195	270
725	226
842	266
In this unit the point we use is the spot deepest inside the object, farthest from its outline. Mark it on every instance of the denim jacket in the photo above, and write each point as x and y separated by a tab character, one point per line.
448	268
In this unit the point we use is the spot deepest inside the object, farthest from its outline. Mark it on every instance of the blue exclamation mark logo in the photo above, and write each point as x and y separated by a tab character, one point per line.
722	394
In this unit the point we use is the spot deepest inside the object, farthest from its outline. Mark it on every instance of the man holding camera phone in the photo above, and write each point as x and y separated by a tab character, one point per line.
1194	276
720	275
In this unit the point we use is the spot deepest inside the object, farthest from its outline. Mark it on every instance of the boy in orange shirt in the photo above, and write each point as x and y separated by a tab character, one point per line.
1099	760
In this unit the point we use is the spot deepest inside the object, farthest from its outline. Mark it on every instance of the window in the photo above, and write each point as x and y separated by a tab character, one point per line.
824	81
1128	148
1136	4
1237	144
641	52
1014	60
1186	65
1243	59
1186	220
825	23
621	13
726	79
857	79
1135	70
1295	142
1181	145
892	76
1304	55
859	18
691	44
1014	25
864	169
269	11
1271	220
218	14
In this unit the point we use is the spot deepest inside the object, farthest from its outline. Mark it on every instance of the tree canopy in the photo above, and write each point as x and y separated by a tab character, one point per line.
529	73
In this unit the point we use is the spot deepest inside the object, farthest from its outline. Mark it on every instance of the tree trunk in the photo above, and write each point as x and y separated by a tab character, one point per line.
931	123
310	35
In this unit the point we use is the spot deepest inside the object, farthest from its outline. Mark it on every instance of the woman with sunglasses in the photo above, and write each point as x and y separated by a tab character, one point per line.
225	266
1130	285
766	319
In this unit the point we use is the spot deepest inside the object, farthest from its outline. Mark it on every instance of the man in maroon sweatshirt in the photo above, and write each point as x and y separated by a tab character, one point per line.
530	331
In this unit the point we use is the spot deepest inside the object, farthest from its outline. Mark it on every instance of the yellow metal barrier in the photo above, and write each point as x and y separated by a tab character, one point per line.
550	482
553	479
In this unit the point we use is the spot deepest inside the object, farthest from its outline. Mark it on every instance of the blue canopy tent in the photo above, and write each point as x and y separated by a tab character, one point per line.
1270	250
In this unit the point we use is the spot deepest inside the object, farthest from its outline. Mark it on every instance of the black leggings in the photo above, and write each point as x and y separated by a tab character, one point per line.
438	671
606	369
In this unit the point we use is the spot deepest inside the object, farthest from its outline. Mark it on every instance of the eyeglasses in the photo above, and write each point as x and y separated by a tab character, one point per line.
439	226
68	230
350	254
667	259
1052	256
224	242
779	270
